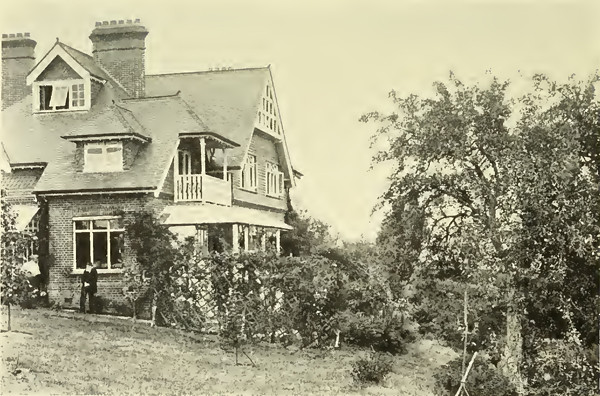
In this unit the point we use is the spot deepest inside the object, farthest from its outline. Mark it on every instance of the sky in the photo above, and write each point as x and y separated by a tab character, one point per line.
333	61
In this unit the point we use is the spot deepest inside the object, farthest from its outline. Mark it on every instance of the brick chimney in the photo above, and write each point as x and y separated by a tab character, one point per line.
17	61
119	46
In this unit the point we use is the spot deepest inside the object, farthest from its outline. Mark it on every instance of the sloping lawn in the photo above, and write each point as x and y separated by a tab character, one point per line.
70	353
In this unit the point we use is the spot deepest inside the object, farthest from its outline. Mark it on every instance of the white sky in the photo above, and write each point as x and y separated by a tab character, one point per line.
335	60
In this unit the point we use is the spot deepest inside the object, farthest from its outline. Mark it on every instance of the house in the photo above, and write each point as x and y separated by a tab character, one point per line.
88	140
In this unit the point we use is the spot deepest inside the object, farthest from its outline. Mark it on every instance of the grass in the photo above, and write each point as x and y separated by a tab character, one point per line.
70	353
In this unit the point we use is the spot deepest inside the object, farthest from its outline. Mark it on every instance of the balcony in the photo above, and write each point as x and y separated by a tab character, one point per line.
202	188
200	158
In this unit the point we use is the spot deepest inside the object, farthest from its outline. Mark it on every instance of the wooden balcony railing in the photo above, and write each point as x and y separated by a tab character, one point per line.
202	188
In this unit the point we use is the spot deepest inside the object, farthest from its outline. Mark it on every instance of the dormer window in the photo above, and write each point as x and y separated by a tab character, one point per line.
103	157
62	96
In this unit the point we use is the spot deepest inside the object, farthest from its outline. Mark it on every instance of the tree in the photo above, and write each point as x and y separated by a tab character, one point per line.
307	236
156	252
508	197
14	244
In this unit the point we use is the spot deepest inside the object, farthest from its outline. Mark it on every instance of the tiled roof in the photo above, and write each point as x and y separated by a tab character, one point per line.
162	118
225	100
30	138
87	62
114	120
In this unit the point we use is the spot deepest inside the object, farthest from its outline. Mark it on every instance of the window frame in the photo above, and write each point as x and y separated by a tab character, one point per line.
250	177
274	180
36	100
90	230
103	165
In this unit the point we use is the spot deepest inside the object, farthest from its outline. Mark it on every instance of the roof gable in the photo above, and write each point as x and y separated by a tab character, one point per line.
58	69
56	51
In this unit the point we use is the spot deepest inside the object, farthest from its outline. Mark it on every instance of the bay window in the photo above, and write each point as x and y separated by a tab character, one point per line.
98	240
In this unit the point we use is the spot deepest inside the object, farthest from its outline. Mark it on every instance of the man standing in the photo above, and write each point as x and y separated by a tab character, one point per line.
89	282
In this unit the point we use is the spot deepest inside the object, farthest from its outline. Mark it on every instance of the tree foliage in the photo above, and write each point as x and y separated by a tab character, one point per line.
14	244
500	194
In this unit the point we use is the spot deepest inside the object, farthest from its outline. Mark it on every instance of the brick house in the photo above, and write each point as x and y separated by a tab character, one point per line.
88	140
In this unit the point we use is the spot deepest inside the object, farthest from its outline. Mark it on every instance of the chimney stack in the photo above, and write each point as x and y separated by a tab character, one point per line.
18	59
119	46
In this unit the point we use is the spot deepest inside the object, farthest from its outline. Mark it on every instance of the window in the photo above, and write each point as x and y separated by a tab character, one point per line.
103	157
274	180
248	179
62	96
99	240
267	115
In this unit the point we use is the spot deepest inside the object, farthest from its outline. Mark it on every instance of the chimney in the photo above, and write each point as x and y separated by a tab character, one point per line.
119	46
17	61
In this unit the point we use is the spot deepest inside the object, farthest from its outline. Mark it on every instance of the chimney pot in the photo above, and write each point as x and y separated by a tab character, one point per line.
4	35
11	35
121	21
98	23
129	21
27	34
105	22
19	34
113	22
137	20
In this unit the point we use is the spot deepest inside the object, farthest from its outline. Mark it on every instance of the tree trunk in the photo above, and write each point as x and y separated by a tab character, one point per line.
513	347
8	305
154	304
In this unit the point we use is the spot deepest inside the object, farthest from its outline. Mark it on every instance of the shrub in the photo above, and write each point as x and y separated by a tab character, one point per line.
483	380
560	367
372	369
381	334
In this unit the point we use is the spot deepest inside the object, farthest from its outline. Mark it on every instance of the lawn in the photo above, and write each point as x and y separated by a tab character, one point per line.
70	353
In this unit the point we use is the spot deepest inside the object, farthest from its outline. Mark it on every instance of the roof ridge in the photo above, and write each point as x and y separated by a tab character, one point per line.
207	71
119	108
152	97
192	113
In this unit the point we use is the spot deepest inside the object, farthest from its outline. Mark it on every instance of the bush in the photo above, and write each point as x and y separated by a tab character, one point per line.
560	367
381	334
483	380
373	369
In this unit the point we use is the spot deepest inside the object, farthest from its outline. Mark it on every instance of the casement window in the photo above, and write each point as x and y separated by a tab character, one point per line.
267	115
62	96
98	240
103	157
274	180
248	179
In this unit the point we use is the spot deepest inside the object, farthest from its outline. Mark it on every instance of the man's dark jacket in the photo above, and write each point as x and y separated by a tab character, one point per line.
90	277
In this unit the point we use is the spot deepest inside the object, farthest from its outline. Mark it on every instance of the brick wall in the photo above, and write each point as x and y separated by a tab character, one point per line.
64	286
17	60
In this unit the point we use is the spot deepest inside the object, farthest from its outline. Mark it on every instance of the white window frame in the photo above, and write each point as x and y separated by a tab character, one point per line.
248	177
91	232
69	83
104	165
267	113
273	180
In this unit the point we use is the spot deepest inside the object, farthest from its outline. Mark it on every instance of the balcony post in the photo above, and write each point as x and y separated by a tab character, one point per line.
246	237
224	164
176	175
277	241
203	155
235	243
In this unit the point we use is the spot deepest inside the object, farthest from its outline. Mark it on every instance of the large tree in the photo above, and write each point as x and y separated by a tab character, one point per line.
508	189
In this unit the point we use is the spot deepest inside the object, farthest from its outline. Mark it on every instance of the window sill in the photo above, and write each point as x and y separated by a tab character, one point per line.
274	196
250	190
60	111
100	271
